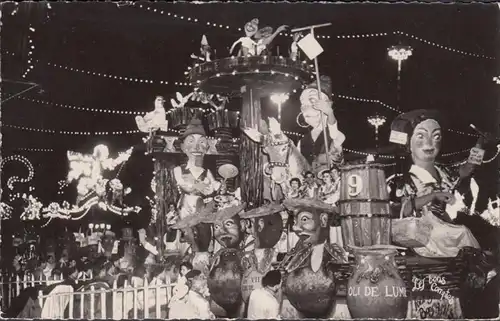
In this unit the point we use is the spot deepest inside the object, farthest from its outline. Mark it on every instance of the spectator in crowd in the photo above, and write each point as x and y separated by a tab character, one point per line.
185	268
188	301
263	302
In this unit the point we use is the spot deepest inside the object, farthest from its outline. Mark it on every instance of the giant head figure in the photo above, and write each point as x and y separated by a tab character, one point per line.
267	224
194	142
227	226
311	220
420	132
195	232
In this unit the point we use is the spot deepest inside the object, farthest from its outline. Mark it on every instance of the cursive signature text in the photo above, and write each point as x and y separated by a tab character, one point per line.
432	282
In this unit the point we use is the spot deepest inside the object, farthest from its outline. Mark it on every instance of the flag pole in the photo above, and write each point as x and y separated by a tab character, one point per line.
324	119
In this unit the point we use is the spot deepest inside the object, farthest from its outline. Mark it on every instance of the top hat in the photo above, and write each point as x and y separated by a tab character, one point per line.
195	127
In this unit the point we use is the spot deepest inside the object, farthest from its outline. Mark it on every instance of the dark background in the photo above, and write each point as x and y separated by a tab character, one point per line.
131	41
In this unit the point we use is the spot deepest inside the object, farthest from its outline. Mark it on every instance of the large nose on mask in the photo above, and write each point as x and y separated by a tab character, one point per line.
429	143
197	147
296	227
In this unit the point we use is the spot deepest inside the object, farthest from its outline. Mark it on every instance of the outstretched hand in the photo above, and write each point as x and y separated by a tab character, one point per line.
281	28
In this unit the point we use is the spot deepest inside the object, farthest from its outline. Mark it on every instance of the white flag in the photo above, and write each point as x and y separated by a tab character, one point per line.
310	46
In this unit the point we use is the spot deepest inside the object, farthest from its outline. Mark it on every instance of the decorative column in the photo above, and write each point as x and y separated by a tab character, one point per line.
166	193
251	174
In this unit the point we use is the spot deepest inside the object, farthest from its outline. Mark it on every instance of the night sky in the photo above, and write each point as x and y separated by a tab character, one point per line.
130	41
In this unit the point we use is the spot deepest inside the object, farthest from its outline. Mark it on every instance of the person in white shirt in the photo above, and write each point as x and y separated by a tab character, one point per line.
190	300
263	302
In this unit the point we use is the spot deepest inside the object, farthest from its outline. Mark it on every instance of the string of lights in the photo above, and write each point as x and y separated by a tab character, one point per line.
31	49
437	45
462	133
375	101
111	76
175	131
14	179
73	133
456	153
31	62
256	71
81	108
125	112
398	111
34	149
342	36
239	29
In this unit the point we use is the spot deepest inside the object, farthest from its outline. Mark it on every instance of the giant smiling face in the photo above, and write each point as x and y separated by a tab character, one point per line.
195	146
229	233
267	230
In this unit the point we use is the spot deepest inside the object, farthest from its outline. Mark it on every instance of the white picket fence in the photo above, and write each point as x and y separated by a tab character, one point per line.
11	286
99	301
87	302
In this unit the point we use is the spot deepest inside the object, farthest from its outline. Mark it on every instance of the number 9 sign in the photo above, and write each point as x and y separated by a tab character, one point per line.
355	185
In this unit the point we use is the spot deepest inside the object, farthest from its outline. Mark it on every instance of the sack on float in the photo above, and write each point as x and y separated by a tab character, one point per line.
411	232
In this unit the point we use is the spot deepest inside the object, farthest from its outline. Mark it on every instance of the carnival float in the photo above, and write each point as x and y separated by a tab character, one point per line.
353	255
227	183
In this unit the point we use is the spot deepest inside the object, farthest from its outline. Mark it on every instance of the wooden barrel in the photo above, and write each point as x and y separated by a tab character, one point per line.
364	205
